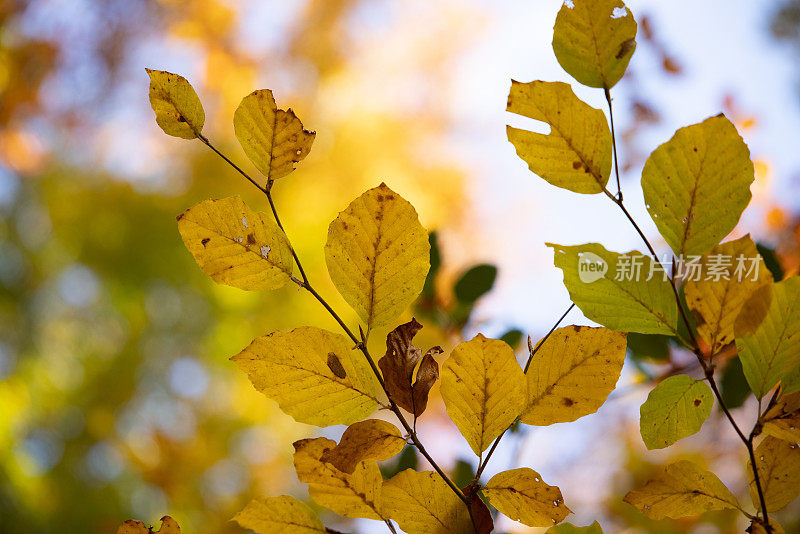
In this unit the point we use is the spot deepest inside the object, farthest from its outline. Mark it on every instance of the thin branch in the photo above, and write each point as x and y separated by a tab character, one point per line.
360	343
613	140
532	350
708	369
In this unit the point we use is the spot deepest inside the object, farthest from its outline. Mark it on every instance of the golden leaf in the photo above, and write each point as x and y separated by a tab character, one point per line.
576	154
717	302
523	496
594	40
572	374
272	138
291	368
131	526
236	246
378	255
423	503
483	388
778	464
372	439
682	489
279	515
178	109
351	495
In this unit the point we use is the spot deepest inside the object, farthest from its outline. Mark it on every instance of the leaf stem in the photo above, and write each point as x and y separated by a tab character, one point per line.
708	369
613	140
532	350
360	344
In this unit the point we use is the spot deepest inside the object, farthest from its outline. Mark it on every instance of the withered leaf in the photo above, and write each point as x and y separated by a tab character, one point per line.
398	365
481	513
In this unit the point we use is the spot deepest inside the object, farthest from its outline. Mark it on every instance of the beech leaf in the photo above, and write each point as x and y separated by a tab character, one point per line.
176	105
351	495
594	40
778	464
236	246
682	489
372	439
292	369
279	515
676	408
572	374
697	184
576	154
378	255
483	388
523	496
398	365
272	138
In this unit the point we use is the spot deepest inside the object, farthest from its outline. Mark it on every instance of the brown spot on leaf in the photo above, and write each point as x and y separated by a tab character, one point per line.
566	401
251	239
336	366
576	165
697	402
205	241
625	47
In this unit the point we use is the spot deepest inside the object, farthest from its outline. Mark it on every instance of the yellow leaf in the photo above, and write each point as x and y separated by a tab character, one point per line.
372	439
682	489
351	495
292	369
236	246
523	496
772	351
572	374
594	40
717	299
778	464
568	528
131	526
782	421
757	527
697	184
483	388
624	292
676	408
423	503
272	138
576	154
378	255
177	107
279	515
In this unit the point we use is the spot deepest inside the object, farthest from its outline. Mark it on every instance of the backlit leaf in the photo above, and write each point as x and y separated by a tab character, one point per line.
273	139
717	300
483	388
681	490
572	374
568	528
423	503
523	496
772	351
236	246
676	408
378	255
697	184
616	292
778	464
131	526
351	495
178	109
292	369
576	154
594	40
782	421
399	363
279	515
372	439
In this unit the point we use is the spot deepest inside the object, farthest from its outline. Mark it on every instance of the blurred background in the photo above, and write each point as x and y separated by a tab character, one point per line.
117	399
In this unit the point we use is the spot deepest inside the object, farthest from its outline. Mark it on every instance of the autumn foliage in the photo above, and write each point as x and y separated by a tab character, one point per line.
696	186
